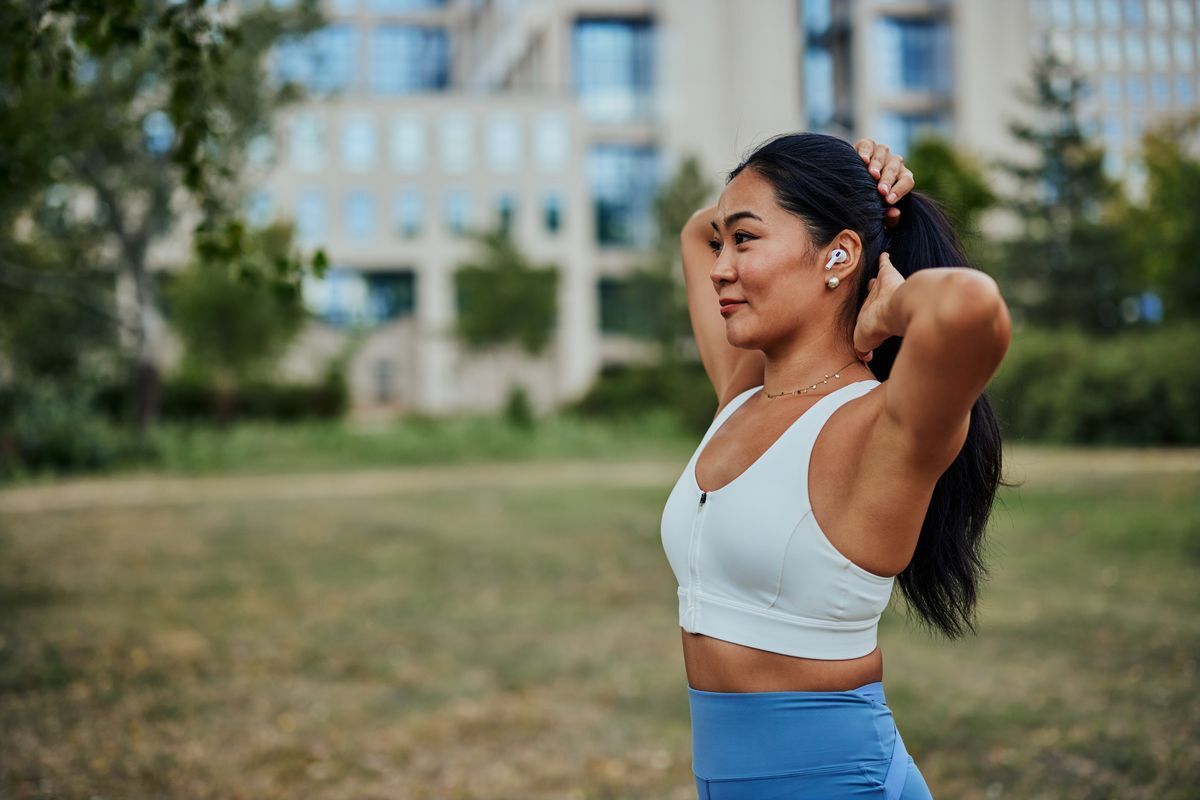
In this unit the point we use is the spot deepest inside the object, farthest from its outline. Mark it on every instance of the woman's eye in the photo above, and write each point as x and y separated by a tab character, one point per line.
739	233
714	245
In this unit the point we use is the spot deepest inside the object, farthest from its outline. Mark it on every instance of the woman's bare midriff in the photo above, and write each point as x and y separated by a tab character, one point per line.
714	665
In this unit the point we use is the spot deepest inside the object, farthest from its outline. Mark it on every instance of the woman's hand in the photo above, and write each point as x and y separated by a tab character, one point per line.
895	179
872	328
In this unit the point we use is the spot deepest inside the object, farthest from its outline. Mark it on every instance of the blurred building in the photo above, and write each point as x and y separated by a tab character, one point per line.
559	119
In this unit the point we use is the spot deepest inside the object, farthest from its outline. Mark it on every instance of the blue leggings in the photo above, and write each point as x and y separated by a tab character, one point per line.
810	745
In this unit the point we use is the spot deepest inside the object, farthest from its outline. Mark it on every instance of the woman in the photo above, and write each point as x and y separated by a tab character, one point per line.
786	544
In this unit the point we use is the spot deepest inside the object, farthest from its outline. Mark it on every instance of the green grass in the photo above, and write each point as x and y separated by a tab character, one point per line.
521	642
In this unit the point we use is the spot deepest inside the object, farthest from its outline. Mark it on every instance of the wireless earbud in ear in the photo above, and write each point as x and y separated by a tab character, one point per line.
836	257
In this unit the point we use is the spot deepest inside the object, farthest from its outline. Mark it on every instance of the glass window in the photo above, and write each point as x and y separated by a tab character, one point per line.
1160	89
1060	13
158	132
351	297
613	68
408	213
1085	51
310	217
260	150
818	86
360	214
817	15
1135	90
1135	50
323	61
552	213
1112	90
1160	51
1160	17
458	211
307	141
552	142
345	6
408	143
623	181
1135	14
504	143
457	151
393	6
904	128
1184	54
1110	47
1181	13
358	143
506	211
914	54
1184	91
408	58
1085	13
1110	13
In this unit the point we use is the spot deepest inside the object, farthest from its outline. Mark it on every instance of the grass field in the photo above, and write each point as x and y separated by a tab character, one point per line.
508	631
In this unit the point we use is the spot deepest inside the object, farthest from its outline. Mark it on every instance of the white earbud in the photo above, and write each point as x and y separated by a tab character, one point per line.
836	257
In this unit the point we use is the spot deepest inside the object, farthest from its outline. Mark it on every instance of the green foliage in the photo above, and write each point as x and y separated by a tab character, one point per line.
504	298
623	391
190	397
1163	229
957	182
232	321
517	409
1068	386
1067	268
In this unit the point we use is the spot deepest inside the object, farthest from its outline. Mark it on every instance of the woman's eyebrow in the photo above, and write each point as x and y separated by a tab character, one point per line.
735	216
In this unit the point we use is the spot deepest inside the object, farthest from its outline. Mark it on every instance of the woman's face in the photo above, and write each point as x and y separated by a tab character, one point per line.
765	257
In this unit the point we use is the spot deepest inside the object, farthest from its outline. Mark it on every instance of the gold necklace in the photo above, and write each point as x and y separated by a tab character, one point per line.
808	389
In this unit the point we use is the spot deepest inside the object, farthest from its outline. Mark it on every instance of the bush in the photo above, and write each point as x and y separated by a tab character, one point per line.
517	409
1075	388
629	390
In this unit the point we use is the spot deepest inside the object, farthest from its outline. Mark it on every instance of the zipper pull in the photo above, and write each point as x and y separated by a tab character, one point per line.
703	495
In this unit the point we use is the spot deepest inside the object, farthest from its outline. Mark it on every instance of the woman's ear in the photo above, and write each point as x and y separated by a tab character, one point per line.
851	244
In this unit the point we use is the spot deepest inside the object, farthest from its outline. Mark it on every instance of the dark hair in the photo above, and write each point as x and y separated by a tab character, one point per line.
824	182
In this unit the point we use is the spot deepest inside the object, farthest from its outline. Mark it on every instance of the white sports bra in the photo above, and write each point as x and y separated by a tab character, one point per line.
752	564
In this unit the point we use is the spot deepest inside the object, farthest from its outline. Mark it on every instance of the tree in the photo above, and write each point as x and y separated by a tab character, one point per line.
654	290
504	298
957	182
1163	227
1066	267
115	105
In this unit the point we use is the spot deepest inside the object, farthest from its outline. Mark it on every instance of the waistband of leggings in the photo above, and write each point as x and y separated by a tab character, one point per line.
871	691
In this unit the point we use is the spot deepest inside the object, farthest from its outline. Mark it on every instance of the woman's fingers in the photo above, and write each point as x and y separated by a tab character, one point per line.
865	147
891	173
878	159
903	185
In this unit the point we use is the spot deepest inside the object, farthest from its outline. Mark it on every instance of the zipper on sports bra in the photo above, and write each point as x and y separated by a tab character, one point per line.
693	571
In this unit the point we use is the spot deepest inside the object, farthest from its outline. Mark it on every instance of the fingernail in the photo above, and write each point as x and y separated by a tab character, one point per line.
892	197
883	187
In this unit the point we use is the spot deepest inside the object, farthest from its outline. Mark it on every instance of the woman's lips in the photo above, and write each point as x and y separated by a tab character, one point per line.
729	308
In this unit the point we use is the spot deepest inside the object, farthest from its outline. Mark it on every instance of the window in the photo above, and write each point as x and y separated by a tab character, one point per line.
1184	93
506	211
322	61
408	58
818	86
307	142
914	54
1135	13
623	311
623	181
457	151
1085	50
1160	90
310	217
504	143
408	213
817	15
385	380
408	143
260	150
1110	46
904	129
1135	50
352	297
552	213
552	142
1112	89
1135	90
1159	15
1160	51
458	211
1060	13
393	6
158	132
1183	51
1181	13
1110	13
1085	13
358	143
613	68
360	215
